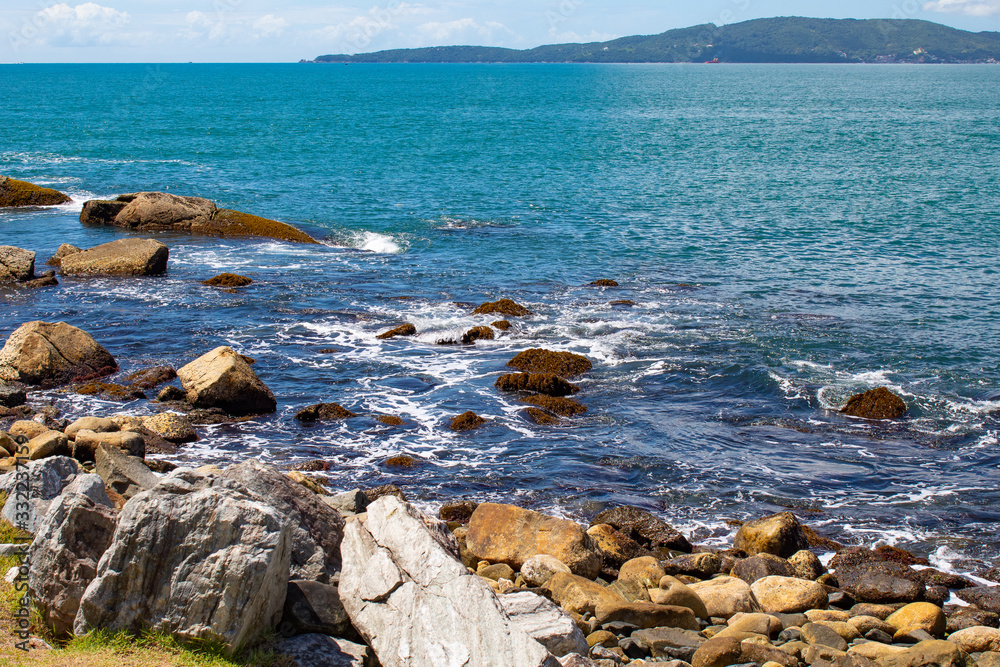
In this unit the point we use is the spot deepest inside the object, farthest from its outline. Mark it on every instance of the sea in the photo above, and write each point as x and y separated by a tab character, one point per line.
787	235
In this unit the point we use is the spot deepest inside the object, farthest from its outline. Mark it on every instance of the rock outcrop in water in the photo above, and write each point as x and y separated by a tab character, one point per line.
877	403
16	264
14	193
159	210
49	355
502	307
563	364
227	280
542	383
223	379
124	257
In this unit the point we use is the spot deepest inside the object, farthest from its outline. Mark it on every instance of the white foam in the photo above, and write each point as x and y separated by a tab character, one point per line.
382	244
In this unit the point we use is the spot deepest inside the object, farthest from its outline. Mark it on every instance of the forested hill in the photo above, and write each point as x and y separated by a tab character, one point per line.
776	40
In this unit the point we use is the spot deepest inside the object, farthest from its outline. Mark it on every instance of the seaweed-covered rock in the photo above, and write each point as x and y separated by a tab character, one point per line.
616	548
477	333
227	280
110	391
390	420
563	364
124	257
466	421
401	330
880	582
223	379
604	282
877	403
15	193
159	210
540	417
986	598
150	378
564	407
49	355
502	307
323	412
502	325
16	264
63	250
644	528
541	383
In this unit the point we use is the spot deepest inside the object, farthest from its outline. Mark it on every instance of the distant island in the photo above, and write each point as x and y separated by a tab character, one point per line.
775	40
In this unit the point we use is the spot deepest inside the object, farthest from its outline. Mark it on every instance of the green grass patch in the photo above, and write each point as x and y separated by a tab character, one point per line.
197	653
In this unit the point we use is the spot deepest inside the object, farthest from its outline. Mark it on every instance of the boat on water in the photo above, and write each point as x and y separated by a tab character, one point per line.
713	61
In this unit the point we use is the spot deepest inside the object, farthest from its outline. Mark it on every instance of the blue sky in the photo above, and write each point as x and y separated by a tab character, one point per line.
264	31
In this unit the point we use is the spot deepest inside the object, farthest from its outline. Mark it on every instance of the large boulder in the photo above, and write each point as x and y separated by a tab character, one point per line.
880	582
196	556
725	597
159	210
124	257
779	534
223	379
414	602
549	384
16	264
977	639
50	355
75	533
788	595
46	479
510	534
579	595
932	653
14	193
644	528
317	528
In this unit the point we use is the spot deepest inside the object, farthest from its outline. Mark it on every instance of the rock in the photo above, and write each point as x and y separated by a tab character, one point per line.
460	511
919	616
644	528
477	333
760	566
645	569
545	623
787	595
349	502
46	280
817	633
778	534
511	535
227	280
563	364
538	569
502	325
669	642
880	582
109	391
170	394
564	407
412	599
16	264
64	250
718	652
12	395
763	654
960	618
223	379
865	624
615	547
323	412
92	424
986	598
726	596
542	383
932	653
150	378
87	443
540	417
307	482
171	427
217	558
127	475
311	606
759	624
467	421
384	490
577	660
601	638
317	650
578	595
47	479
15	193
645	615
50	443
806	565
75	533
502	307
49	355
401	330
877	403
317	529
158	210
124	257
604	282
673	591
977	639
7	445
400	462
875	650
701	565
822	656
27	429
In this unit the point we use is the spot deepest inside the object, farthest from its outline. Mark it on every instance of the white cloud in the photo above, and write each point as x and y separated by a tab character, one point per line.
460	30
269	26
571	37
88	24
968	7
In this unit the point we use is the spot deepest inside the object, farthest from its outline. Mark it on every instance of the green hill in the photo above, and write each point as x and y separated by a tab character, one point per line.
777	40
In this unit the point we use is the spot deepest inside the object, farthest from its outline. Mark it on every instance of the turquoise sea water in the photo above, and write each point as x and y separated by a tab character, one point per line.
790	235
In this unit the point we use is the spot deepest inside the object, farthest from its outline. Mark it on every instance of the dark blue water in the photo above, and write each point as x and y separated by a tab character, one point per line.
791	235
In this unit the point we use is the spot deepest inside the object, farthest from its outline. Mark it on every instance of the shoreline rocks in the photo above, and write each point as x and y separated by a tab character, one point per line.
124	257
15	194
49	355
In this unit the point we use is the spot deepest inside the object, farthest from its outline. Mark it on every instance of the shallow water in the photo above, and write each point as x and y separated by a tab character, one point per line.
791	235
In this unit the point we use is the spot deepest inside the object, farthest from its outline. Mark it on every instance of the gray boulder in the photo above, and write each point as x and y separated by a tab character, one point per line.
49	355
45	480
16	264
317	650
413	601
317	529
223	379
71	539
544	622
124	257
312	607
196	556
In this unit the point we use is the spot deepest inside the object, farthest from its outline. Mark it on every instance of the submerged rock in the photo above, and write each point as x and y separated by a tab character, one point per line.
466	421
124	257
477	333
604	282
563	364
323	412
878	403
16	264
541	383
401	330
150	378
14	193
50	355
158	210
227	280
502	307
564	407
502	325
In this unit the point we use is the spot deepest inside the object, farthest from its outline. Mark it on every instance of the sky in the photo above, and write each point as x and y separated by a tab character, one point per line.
161	31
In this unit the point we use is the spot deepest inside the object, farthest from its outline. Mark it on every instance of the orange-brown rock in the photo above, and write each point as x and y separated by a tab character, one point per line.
324	412
540	383
466	421
477	333
511	534
563	364
579	595
227	280
502	307
390	420
502	325
778	534
646	615
875	404
616	548
15	193
401	330
604	282
541	417
564	407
